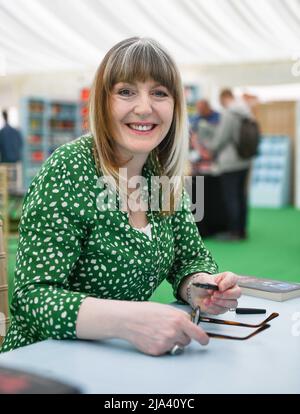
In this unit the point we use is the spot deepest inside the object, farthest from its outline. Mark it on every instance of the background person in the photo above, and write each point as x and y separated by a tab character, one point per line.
11	142
206	113
234	170
203	127
203	164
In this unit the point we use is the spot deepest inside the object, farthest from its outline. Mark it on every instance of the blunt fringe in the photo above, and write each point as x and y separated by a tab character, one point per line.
137	60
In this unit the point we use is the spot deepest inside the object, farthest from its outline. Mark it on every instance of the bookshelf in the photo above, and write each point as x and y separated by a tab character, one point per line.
45	124
192	95
34	129
84	110
271	173
62	124
280	118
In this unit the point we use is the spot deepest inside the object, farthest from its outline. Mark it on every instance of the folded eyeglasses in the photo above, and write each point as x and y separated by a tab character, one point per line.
262	326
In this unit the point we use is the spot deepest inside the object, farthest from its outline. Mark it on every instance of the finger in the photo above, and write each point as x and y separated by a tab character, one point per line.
233	293
201	294
196	332
181	336
227	282
215	310
227	304
209	307
219	278
183	340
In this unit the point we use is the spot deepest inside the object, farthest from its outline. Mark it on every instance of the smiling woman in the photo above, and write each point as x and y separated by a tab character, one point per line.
142	109
138	82
84	271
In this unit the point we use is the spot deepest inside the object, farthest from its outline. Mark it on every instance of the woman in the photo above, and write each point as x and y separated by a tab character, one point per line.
85	271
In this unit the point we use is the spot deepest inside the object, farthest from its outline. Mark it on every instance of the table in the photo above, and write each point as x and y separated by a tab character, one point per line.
266	363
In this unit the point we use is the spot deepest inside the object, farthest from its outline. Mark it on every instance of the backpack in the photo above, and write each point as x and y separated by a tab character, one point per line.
248	139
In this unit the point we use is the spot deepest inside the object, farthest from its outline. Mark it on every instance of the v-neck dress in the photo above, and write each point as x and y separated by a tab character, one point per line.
69	249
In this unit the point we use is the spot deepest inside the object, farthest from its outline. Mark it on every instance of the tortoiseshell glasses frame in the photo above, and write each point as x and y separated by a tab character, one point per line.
262	326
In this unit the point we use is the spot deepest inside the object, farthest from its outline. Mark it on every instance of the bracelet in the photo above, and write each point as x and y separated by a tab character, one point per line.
188	289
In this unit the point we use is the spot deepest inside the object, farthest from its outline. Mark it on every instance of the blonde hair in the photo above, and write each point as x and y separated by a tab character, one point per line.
131	60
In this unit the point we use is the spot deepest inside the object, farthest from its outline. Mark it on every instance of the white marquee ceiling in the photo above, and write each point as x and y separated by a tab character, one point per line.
51	35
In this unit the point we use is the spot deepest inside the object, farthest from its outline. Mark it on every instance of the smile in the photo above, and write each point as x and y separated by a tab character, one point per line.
141	128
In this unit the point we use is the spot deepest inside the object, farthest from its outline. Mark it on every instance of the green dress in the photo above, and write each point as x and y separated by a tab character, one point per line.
69	249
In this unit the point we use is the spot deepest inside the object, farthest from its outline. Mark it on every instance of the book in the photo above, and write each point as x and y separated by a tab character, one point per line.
269	289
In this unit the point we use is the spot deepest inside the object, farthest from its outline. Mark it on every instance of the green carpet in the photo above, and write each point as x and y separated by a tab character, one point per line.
272	251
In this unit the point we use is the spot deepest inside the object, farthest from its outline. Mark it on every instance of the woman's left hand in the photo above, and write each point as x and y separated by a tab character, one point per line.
216	302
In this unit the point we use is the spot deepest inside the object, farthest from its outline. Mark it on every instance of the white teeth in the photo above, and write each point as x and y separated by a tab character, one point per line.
141	127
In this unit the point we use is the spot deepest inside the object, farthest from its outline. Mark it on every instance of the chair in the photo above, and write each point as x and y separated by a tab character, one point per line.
4	317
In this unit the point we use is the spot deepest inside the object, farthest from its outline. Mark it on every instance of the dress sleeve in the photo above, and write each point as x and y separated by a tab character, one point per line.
191	255
51	235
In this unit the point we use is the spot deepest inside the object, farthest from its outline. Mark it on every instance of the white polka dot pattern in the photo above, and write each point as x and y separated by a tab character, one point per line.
69	250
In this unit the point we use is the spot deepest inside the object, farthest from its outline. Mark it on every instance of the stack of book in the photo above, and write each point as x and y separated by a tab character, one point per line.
269	289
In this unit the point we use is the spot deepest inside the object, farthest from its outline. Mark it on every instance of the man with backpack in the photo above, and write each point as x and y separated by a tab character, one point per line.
233	147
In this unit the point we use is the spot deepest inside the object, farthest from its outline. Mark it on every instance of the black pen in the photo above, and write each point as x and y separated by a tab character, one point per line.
208	286
249	311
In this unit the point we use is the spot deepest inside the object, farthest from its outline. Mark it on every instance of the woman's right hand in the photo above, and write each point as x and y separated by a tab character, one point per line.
155	328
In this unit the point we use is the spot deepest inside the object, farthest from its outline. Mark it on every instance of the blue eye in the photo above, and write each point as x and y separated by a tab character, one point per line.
125	92
160	94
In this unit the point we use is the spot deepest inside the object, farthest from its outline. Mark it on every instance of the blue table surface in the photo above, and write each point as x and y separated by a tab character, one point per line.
266	363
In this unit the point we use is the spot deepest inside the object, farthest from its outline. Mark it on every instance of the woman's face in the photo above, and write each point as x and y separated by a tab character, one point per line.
142	114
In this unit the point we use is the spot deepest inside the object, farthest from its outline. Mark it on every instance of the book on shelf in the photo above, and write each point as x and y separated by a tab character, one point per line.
268	288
